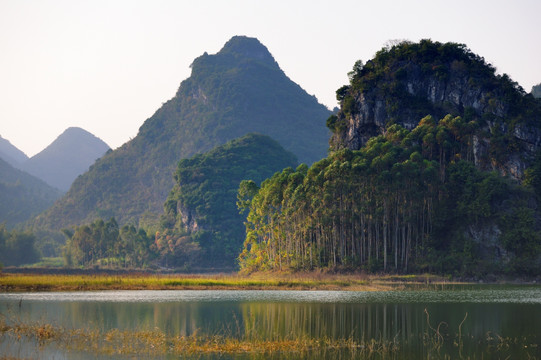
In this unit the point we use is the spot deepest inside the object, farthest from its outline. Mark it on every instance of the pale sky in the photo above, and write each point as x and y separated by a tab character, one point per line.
107	65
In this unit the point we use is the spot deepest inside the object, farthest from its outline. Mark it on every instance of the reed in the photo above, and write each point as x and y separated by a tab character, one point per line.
156	342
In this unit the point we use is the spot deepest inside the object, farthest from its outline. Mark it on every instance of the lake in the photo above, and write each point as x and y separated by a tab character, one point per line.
484	321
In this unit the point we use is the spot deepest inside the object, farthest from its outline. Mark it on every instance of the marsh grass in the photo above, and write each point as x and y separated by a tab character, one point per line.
156	343
54	282
436	342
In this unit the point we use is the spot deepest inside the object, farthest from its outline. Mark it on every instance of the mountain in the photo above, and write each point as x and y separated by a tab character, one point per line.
435	167
11	154
22	195
70	155
201	210
239	90
403	84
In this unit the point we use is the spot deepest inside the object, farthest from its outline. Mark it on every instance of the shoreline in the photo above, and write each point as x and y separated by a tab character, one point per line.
96	280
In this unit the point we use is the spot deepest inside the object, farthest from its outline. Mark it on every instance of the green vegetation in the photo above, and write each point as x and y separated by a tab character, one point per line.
258	281
407	201
404	191
442	61
421	189
201	226
409	81
104	244
17	248
253	342
156	342
239	90
22	196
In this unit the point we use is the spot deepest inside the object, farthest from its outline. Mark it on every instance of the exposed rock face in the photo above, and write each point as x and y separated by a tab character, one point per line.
487	239
188	218
407	88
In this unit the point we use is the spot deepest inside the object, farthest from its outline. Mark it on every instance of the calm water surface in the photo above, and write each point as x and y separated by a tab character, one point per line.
509	314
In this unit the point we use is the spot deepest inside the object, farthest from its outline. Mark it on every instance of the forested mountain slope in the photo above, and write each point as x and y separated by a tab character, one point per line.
406	82
201	225
239	90
22	195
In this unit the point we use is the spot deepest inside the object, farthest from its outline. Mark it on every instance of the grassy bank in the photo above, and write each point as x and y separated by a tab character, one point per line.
297	281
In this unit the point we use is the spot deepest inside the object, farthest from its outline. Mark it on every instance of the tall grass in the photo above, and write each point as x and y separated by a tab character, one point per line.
156	342
33	282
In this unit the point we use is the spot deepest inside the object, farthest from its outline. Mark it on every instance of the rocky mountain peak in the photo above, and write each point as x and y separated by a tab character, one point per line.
403	84
247	47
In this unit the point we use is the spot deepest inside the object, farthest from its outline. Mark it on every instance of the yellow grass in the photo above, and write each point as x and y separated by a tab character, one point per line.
156	342
295	281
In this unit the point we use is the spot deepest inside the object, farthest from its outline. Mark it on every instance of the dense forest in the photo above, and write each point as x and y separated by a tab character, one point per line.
404	202
201	226
105	244
17	247
402	194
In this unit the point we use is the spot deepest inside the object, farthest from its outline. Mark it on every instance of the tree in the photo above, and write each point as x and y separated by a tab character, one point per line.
356	71
17	247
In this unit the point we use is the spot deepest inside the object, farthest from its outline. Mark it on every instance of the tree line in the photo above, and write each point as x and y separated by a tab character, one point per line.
401	204
17	247
105	244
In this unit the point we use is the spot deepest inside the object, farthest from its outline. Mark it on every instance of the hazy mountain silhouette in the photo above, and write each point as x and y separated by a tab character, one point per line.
70	155
11	154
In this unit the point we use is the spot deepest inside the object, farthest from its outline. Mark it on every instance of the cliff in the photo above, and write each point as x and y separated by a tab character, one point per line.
408	81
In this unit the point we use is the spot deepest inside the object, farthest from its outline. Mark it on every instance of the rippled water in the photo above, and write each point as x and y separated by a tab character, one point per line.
509	312
480	294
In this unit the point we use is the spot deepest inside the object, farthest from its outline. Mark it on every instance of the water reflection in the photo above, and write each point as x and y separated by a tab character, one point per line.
410	318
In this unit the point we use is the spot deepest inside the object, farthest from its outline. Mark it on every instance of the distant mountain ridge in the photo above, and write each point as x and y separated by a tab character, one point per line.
239	90
67	157
22	195
11	154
